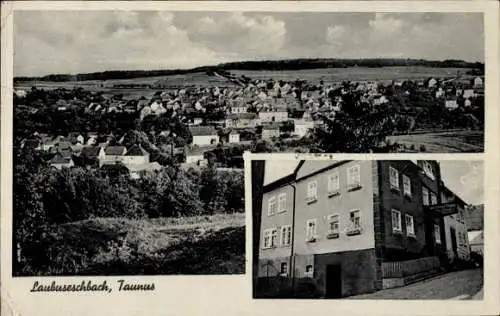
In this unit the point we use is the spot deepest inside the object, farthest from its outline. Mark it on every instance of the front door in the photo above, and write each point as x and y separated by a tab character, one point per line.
453	236
333	281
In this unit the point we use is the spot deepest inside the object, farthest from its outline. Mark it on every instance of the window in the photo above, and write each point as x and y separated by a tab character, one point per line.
425	196
355	217
437	234
443	198
407	185
267	238
333	183
312	191
284	268
410	228
311	229
428	169
333	224
433	198
274	237
271	208
309	270
286	235
353	177
282	202
394	178
396	220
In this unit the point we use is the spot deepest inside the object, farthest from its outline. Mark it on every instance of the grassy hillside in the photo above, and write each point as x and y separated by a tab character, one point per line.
116	246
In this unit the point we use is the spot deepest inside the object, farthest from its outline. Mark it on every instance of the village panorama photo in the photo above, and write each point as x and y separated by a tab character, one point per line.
368	229
129	127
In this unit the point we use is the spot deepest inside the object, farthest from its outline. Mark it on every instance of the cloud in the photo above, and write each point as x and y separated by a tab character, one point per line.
91	41
465	178
85	41
236	34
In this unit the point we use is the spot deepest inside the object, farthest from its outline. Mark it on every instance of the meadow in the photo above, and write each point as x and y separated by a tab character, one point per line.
443	142
212	244
329	75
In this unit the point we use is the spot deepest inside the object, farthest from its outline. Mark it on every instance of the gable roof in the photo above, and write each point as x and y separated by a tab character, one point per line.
136	150
198	151
202	130
114	150
90	151
247	116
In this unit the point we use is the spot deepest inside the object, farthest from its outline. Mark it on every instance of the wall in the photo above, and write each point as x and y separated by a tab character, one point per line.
357	270
135	160
400	246
341	204
276	221
205	139
268	116
454	221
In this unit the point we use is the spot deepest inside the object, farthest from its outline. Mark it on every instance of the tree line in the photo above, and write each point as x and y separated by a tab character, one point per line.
290	64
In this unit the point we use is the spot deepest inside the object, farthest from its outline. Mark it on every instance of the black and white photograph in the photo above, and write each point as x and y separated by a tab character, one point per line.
349	82
368	229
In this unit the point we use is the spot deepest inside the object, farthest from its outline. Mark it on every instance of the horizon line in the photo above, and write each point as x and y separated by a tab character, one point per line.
244	61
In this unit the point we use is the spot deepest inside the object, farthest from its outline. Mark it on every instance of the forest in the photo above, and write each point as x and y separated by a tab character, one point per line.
290	64
49	204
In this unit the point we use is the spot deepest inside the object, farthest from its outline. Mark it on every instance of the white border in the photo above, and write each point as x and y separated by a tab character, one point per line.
201	295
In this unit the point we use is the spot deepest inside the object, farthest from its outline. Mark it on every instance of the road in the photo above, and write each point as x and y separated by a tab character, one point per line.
463	283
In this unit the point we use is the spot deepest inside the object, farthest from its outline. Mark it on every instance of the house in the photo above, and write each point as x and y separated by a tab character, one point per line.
351	227
51	144
240	120
196	121
234	137
59	161
135	155
440	93
303	126
204	135
475	228
111	155
431	83
478	82
238	109
273	115
155	108
137	170
451	104
90	155
196	155
455	227
130	106
468	93
270	131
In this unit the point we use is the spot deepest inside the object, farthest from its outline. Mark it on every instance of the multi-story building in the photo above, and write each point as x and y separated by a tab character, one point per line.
455	227
351	227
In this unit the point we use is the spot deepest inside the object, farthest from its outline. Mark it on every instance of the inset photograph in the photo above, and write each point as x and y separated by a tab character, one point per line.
368	229
349	82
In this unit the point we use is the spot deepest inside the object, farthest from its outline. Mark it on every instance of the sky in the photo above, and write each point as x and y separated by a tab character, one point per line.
47	42
464	178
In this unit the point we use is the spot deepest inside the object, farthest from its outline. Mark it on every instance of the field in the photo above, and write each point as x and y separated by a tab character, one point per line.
443	142
116	246
109	89
329	75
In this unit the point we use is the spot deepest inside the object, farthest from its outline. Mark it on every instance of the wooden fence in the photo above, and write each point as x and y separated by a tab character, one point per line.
400	269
